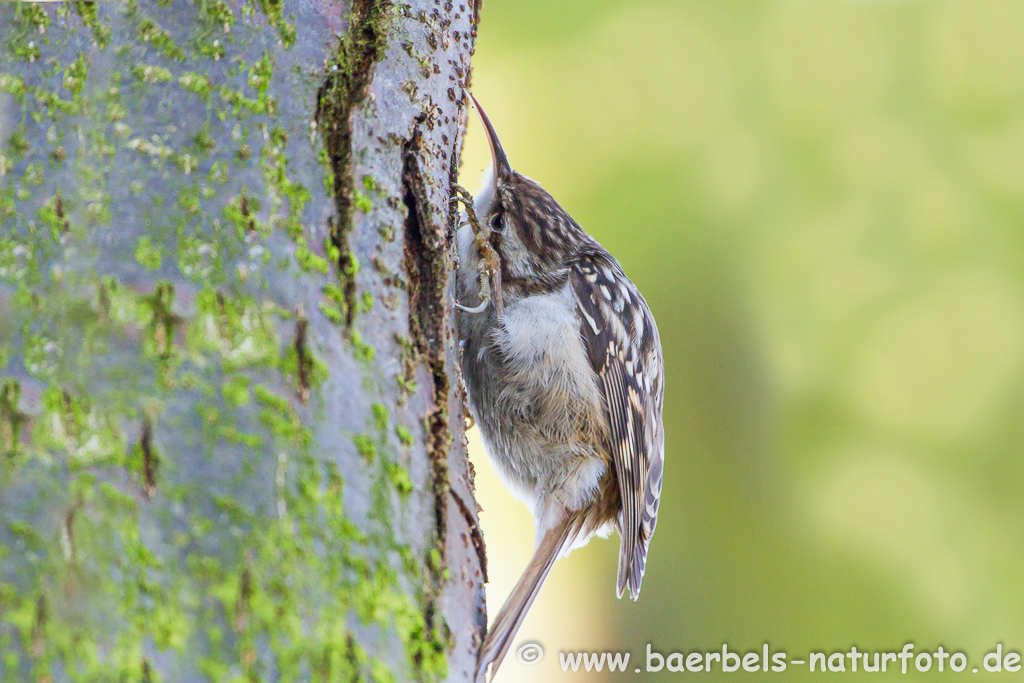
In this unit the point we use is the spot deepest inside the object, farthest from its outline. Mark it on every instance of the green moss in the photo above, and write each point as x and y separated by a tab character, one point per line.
90	18
34	16
22	31
241	104
351	268
365	446
14	86
348	75
197	83
12	420
400	478
18	143
362	202
273	10
363	351
154	148
218	350
241	332
404	436
307	260
332	292
332	312
158	317
148	31
42	354
260	73
236	391
405	385
279	417
86	434
299	363
151	73
241	211
53	214
148	255
220	13
380	416
17	260
213	49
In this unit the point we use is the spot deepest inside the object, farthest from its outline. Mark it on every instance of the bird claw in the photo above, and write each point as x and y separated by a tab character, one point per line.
490	271
479	308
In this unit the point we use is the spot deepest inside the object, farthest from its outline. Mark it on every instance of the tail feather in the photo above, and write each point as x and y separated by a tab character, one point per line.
632	563
513	612
636	539
632	558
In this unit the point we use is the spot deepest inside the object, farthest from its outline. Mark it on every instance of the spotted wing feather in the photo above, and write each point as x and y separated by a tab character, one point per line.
622	343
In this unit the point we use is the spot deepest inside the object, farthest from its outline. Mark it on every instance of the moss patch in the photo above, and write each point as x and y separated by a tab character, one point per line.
348	76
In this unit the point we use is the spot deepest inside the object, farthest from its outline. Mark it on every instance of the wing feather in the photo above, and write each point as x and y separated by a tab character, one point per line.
622	343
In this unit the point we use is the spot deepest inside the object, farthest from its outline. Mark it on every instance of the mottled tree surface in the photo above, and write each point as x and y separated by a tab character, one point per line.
231	435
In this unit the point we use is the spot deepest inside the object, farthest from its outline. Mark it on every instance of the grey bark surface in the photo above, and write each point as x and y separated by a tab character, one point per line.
231	416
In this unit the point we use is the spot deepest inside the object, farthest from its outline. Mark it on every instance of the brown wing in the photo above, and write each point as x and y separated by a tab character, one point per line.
622	342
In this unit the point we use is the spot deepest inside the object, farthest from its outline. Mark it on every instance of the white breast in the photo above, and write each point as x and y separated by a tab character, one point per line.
549	458
539	337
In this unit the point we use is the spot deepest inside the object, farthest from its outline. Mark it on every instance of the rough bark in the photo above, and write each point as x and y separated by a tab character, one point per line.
231	433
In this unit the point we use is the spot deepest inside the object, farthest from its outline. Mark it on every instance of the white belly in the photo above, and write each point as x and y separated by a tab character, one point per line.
536	400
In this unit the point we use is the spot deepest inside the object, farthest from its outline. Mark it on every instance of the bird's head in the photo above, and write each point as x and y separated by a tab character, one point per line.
534	236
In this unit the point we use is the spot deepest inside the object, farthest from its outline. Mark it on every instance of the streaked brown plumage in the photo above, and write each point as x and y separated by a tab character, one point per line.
563	363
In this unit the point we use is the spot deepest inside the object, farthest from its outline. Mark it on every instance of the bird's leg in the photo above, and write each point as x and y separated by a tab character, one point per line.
489	265
463	195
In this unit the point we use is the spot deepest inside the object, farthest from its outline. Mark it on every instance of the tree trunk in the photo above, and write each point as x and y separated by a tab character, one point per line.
231	433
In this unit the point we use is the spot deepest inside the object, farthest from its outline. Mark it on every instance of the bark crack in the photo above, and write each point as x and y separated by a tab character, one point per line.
150	462
475	534
427	264
302	360
344	88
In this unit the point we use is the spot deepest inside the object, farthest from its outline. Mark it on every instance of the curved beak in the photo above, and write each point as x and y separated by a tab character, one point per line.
501	165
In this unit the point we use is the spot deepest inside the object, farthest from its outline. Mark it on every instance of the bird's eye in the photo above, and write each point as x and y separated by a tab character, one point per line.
495	223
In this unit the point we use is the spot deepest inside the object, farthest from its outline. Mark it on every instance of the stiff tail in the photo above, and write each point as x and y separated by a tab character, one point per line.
632	561
636	535
510	618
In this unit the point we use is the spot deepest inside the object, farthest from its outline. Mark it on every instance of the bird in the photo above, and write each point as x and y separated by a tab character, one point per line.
563	368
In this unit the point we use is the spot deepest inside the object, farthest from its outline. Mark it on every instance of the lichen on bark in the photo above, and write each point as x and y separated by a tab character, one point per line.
207	468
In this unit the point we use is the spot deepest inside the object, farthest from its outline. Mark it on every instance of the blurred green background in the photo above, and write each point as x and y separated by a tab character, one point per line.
824	204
